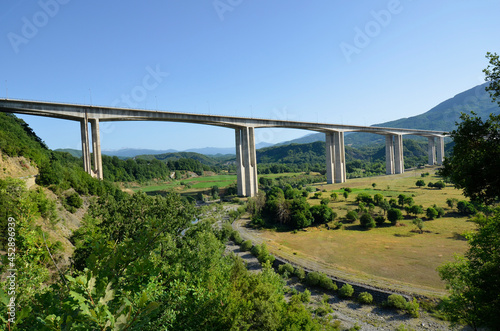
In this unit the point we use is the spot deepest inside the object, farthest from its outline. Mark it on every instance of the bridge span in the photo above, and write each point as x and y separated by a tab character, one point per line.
244	136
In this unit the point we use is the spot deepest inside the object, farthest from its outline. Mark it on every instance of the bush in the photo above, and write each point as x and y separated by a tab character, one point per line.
236	237
367	221
313	278
420	183
466	208
327	283
305	296
364	197
440	211
396	301
346	291
256	250
394	215
286	268
300	273
431	213
246	245
365	297
74	200
380	220
351	216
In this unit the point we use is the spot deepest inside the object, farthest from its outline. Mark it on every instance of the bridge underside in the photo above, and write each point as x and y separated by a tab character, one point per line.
244	135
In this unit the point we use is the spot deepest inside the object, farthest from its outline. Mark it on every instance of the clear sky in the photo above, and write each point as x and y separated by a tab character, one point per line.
345	62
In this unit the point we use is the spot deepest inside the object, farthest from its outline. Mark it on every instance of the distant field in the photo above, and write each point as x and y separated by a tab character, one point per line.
201	183
389	254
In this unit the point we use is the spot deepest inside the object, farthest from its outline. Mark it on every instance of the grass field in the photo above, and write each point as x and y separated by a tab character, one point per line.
200	183
389	254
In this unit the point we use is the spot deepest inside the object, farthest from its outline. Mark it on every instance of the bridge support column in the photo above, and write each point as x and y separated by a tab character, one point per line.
96	148
84	127
389	155
339	157
399	167
247	162
440	150
330	158
240	167
431	150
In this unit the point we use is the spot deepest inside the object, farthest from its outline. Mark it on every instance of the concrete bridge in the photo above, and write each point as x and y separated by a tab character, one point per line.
244	136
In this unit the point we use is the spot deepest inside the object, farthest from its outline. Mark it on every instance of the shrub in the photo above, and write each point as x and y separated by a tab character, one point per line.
431	213
327	283
286	268
364	197
440	185
351	216
466	208
305	296
246	245
412	308
396	301
334	196
313	278
367	221
419	224
236	237
256	250
440	211
74	200
346	291
300	273
380	220
365	297
420	183
394	215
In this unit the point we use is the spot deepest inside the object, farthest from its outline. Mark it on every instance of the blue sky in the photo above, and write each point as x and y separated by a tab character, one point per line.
346	62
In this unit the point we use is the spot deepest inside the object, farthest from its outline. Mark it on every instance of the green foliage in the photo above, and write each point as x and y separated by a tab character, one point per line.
365	298
492	73
236	237
380	220
394	215
431	213
419	224
473	280
451	202
287	267
74	200
396	301
300	273
327	283
466	208
364	197
351	216
334	196
367	221
474	163
313	278
305	296
346	291
246	245
322	214
416	210
420	183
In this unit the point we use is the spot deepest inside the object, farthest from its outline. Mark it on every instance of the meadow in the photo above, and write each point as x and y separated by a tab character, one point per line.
386	256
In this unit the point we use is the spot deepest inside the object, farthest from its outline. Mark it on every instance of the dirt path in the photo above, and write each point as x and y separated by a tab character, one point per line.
350	313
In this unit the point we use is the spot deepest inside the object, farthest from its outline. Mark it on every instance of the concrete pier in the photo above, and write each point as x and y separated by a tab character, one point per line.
330	158
389	155
431	151
440	150
339	155
399	166
246	158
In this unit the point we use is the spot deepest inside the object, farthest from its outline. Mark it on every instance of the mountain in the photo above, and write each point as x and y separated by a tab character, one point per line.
441	118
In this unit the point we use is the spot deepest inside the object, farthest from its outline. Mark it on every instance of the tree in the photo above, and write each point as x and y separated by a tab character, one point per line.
334	196
420	183
378	198
416	210
475	160
346	195
492	73
419	224
394	215
367	221
474	281
431	213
